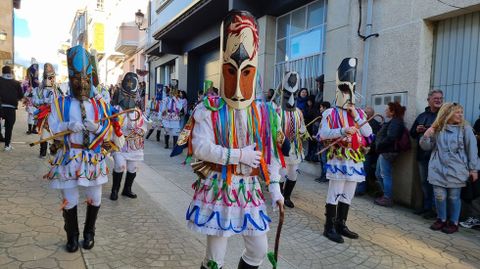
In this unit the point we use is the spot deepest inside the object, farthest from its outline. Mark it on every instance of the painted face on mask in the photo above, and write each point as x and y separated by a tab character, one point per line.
32	74
48	75
239	47
79	72
346	77
290	85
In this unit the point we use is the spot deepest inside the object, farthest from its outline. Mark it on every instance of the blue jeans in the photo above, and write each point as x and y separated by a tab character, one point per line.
427	188
323	160
384	175
454	203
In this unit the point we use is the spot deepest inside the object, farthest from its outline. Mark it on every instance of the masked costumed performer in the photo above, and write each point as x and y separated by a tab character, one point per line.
33	84
134	128
237	142
345	159
81	160
42	98
293	127
171	116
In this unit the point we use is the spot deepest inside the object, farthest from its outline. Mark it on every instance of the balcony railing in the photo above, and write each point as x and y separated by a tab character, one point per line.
127	41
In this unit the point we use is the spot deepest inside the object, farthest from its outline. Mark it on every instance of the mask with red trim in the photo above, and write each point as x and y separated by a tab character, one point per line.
238	56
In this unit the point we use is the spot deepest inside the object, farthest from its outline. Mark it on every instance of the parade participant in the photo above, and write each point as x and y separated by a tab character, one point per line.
32	84
153	111
293	126
345	159
42	98
134	129
171	116
236	141
80	161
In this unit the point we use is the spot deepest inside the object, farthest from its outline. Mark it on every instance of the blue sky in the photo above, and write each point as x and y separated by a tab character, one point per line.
40	28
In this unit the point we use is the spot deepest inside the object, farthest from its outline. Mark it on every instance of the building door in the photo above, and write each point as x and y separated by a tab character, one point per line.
456	58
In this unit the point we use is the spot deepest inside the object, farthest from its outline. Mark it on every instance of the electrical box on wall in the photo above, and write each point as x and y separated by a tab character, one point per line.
379	101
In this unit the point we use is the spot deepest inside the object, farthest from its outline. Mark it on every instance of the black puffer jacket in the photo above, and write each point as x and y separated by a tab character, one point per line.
10	92
388	134
426	119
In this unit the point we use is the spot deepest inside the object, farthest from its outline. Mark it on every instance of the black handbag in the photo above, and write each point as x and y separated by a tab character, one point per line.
471	191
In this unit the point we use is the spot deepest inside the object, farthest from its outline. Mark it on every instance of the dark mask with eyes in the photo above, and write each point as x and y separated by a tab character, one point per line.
290	86
79	72
346	77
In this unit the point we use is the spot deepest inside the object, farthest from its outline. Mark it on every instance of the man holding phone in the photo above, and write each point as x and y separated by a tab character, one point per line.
421	124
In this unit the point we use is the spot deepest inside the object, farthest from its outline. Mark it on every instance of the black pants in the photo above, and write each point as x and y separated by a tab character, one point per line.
9	114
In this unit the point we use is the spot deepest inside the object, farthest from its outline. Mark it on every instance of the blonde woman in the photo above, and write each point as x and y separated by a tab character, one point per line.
453	161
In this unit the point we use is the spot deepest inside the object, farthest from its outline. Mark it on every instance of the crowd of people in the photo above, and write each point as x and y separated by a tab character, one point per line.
238	141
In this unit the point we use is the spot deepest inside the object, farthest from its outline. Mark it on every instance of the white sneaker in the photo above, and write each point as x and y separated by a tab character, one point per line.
470	222
8	148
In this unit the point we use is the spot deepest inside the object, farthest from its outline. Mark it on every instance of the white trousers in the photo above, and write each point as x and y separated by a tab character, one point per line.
253	254
120	164
93	193
290	172
340	191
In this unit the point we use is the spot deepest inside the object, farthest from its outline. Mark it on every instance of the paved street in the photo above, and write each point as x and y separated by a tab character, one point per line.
150	232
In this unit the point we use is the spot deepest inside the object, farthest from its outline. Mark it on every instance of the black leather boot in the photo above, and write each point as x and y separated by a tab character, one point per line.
127	188
158	135
71	227
243	265
29	131
340	226
150	132
281	186
289	185
175	139
89	229
329	228
167	137
117	180
43	149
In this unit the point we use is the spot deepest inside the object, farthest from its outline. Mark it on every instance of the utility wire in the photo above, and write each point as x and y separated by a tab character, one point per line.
360	23
450	5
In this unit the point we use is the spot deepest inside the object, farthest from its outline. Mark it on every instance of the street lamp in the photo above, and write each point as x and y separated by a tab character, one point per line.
139	16
3	35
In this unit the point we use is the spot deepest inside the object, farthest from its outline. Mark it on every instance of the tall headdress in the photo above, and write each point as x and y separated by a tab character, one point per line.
238	55
290	86
127	96
32	74
346	77
80	72
48	75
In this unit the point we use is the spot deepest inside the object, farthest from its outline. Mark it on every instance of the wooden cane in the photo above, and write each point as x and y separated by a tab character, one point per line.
279	231
338	140
66	132
313	121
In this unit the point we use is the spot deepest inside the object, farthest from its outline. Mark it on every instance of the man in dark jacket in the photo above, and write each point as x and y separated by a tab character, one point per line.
10	93
421	124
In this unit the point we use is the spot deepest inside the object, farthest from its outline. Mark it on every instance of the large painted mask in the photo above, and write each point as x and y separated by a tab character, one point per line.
48	75
79	72
346	76
238	56
290	86
128	93
32	74
95	80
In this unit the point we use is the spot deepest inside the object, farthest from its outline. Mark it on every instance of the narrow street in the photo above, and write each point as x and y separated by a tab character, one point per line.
150	232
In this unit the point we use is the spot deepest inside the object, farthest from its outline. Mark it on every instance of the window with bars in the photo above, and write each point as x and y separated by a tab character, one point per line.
300	43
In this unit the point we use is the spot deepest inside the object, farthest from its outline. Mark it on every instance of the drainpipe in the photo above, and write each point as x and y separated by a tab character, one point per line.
366	52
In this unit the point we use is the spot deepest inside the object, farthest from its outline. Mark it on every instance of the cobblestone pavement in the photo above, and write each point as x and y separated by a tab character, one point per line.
150	232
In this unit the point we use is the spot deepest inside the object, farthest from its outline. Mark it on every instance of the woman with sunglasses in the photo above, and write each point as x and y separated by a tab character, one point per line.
453	161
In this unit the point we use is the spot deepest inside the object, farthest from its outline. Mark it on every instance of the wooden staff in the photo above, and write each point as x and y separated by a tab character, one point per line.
279	231
313	121
343	137
66	132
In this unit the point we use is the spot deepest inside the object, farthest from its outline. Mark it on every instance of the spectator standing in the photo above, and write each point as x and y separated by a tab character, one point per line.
471	208
319	95
453	161
311	112
10	93
323	157
421	124
370	184
302	100
385	145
